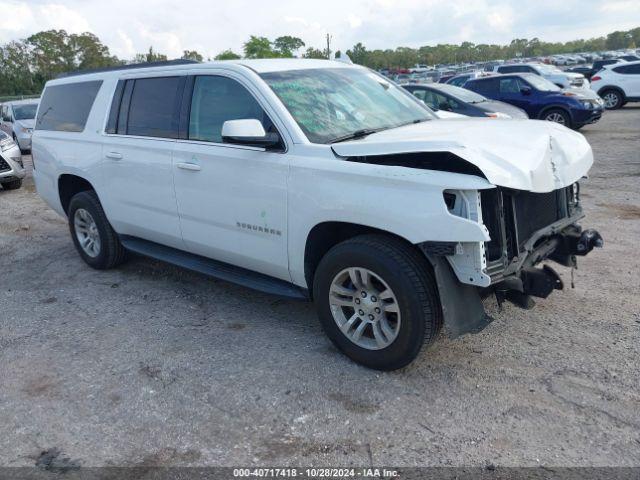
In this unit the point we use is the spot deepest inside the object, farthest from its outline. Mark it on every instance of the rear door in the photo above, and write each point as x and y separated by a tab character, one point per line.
136	166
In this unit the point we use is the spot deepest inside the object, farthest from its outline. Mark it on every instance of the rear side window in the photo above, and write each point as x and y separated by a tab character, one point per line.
514	69
485	87
65	108
627	69
154	107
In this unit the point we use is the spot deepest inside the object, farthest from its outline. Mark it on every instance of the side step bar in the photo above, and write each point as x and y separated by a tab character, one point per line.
214	268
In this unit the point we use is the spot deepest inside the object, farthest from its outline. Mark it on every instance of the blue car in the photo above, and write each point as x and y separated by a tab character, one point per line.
542	99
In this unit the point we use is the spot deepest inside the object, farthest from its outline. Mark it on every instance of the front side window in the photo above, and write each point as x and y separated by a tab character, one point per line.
333	103
542	84
66	107
509	85
217	99
153	107
25	112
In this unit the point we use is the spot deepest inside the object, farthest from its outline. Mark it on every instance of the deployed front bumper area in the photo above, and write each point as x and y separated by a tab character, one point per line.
525	229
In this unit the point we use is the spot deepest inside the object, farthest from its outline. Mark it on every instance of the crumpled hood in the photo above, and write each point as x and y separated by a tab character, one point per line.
531	155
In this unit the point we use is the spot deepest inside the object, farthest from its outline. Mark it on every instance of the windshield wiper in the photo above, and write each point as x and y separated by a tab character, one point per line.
357	134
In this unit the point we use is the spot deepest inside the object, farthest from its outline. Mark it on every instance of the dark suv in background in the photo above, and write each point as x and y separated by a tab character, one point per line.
542	99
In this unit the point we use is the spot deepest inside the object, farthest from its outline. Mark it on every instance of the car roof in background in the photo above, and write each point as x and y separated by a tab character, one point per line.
624	62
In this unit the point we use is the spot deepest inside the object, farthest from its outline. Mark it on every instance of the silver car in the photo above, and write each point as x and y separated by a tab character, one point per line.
18	120
11	167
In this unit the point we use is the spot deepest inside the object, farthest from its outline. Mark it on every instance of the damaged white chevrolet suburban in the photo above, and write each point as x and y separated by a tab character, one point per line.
315	179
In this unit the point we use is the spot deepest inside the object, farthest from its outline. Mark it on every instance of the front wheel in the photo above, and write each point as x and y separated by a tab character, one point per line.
92	234
377	300
557	116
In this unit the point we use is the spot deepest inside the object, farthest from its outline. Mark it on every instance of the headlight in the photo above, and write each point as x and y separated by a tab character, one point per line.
26	130
587	104
497	115
7	144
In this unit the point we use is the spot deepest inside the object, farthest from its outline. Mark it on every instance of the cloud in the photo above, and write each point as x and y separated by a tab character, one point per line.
129	27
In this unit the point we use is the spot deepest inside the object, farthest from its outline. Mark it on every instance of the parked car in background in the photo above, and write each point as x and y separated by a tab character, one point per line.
11	168
542	99
618	84
17	120
600	64
450	98
629	58
561	78
460	80
320	180
584	70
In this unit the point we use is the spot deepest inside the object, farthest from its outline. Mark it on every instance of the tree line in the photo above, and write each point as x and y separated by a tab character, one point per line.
25	65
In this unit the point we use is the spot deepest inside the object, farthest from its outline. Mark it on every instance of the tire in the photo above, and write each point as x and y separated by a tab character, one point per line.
395	265
109	252
12	185
613	99
557	115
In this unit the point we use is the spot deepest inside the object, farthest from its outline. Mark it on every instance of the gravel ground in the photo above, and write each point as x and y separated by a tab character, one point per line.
152	365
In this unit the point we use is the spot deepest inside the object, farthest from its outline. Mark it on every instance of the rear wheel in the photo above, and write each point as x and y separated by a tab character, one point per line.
377	300
612	99
12	185
557	116
92	234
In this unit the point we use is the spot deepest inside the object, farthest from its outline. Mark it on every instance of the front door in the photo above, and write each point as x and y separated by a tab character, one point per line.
511	91
232	199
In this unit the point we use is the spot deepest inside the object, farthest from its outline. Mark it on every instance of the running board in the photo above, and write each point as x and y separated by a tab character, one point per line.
214	268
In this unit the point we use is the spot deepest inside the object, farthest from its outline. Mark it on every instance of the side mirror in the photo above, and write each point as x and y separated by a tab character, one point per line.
248	131
525	90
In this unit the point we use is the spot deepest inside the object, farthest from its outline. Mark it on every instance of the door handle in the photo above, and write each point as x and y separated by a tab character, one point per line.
114	155
194	167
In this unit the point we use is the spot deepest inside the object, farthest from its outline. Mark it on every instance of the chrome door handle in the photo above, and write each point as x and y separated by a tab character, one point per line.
194	167
114	155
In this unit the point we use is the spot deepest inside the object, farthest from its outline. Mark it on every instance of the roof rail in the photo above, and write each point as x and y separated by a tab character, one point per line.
131	66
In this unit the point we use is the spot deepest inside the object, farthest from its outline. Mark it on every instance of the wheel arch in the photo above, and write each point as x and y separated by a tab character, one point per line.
70	185
325	235
612	87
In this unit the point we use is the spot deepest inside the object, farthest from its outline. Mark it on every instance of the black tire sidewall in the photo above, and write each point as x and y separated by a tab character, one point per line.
411	336
12	185
89	202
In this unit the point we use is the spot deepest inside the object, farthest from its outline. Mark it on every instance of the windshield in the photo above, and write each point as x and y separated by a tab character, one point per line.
25	112
332	103
461	93
542	84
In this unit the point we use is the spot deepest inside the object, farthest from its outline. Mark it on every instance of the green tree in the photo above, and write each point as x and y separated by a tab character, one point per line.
287	46
358	54
192	55
227	55
314	53
150	56
258	47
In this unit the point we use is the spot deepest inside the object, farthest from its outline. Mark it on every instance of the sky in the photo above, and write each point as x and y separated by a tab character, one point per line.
128	27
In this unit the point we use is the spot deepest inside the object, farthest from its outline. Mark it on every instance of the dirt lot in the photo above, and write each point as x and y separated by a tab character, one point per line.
152	365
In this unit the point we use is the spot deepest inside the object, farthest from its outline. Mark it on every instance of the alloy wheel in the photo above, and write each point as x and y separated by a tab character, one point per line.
365	308
556	117
87	232
611	100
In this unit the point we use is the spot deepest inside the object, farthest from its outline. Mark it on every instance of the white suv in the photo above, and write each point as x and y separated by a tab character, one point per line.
618	84
315	179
